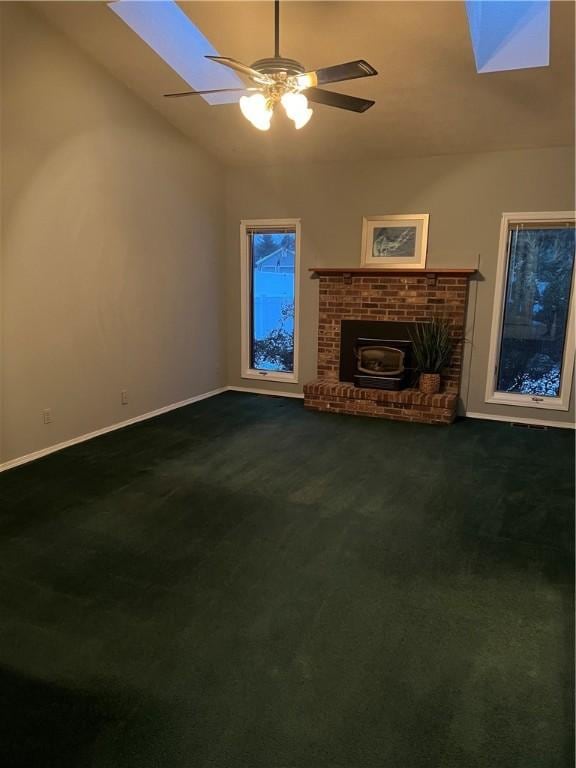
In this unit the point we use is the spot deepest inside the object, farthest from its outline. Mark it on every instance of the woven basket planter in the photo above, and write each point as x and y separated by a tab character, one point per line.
429	383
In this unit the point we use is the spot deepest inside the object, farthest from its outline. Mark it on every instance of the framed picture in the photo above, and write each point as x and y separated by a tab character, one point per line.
395	242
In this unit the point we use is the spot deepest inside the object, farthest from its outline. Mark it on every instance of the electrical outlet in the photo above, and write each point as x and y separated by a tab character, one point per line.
124	397
47	416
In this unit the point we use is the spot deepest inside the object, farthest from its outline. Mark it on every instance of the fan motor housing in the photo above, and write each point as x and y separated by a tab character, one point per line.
277	65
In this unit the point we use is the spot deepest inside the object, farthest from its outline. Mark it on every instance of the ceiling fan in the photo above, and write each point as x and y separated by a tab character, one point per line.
285	81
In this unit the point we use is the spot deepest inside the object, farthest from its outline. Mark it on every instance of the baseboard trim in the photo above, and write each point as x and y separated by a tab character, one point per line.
204	396
112	428
273	392
519	420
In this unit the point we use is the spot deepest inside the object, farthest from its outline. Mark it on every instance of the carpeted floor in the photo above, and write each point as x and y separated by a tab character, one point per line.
244	584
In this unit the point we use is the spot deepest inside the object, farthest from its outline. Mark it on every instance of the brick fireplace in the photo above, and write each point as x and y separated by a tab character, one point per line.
365	294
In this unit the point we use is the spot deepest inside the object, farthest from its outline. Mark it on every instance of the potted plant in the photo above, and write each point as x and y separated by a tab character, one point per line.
432	347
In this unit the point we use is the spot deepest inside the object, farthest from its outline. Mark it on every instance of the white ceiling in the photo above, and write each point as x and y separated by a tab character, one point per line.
429	98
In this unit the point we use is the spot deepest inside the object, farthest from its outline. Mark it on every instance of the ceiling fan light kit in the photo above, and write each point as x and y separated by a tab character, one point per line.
285	81
258	109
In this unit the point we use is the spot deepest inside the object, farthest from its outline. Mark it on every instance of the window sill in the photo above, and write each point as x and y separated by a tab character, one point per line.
527	401
286	378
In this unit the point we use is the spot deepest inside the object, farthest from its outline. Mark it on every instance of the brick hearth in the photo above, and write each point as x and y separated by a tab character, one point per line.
367	294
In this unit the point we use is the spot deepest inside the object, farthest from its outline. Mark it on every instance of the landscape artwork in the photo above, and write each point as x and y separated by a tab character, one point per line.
395	241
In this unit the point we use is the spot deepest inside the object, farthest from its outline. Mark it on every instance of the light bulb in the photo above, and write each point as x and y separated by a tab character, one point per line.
255	109
296	106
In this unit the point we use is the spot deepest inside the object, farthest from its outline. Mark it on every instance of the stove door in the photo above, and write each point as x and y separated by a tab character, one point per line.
380	361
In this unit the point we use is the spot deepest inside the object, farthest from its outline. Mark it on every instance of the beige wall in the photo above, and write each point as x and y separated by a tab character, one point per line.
113	270
465	196
110	242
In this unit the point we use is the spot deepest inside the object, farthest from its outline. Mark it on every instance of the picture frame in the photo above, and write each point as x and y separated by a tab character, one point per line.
395	241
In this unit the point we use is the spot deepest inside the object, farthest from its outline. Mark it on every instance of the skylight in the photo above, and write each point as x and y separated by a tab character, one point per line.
171	34
509	34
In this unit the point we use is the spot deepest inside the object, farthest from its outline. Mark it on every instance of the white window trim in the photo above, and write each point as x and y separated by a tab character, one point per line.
562	402
247	371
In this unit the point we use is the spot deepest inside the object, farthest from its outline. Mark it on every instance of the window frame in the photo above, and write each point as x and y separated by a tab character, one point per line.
562	402
247	372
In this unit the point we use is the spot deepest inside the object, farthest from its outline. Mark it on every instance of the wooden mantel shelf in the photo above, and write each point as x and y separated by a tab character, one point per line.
456	271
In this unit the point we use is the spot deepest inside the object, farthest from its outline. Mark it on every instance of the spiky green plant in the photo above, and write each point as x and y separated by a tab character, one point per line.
431	345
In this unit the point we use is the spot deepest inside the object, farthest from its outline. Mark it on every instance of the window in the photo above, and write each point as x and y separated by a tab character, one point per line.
270	270
532	347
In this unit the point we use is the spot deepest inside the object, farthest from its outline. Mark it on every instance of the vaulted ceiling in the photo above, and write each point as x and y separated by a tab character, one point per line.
429	97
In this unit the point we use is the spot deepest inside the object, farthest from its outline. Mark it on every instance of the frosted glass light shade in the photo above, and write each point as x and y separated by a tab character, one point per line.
255	109
296	106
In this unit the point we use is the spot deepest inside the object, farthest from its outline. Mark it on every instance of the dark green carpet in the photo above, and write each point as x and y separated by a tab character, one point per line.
245	584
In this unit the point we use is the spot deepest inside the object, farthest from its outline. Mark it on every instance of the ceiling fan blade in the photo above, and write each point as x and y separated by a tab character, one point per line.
244	69
336	74
201	93
339	100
